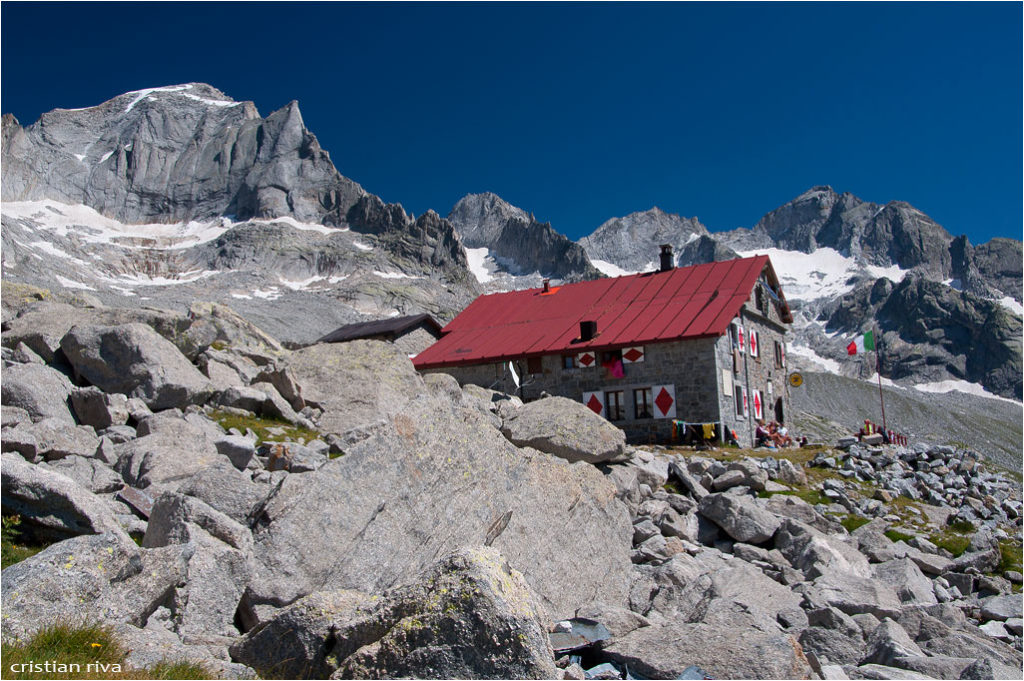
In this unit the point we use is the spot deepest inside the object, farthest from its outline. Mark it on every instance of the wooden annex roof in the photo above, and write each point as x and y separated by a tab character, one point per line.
380	327
651	307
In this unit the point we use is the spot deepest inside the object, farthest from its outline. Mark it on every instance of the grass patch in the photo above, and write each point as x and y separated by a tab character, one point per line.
896	535
219	345
1011	556
961	527
262	427
811	496
956	544
852	522
88	651
14	546
672	487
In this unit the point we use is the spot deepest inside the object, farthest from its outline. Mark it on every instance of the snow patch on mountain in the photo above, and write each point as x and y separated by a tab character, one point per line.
142	94
481	264
609	269
300	285
140	279
84	223
807	353
960	386
826	273
1012	305
69	283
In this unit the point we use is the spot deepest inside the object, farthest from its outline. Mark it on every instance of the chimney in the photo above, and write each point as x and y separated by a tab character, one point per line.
668	262
588	330
547	286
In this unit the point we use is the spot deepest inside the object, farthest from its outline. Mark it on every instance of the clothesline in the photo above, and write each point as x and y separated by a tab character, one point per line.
707	430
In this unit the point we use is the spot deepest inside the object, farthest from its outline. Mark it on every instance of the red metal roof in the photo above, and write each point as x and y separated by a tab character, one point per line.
652	307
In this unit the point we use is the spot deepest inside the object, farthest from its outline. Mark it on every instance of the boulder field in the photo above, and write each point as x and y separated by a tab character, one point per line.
327	512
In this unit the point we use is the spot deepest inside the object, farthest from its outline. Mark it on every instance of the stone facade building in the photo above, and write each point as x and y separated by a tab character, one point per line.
679	353
409	334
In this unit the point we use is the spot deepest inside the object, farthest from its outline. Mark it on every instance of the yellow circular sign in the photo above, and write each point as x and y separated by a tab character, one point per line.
796	380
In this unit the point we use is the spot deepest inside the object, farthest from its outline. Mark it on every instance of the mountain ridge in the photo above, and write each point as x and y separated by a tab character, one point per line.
190	157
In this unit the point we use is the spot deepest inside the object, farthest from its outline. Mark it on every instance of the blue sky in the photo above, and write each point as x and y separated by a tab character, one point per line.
580	112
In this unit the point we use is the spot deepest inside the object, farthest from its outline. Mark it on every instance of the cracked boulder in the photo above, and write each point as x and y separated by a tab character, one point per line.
434	466
135	360
469	616
567	429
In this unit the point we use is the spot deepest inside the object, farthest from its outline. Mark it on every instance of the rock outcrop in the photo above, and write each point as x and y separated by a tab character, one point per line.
631	242
519	242
472	615
174	154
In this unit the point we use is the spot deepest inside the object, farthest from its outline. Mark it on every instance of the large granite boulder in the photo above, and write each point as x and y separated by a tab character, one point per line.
740	517
471	615
102	577
53	506
41	391
910	583
218	567
728	645
135	360
433	479
565	428
358	384
42	326
163	459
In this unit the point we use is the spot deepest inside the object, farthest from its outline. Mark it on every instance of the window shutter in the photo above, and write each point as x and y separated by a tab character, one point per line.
739	336
746	403
586	359
753	343
664	401
595	401
758	405
633	355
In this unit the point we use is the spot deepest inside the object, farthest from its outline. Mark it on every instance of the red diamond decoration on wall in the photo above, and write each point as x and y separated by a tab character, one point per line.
632	354
664	401
595	404
586	359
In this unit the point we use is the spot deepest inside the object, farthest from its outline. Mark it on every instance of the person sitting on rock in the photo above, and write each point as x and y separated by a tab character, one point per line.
780	434
762	437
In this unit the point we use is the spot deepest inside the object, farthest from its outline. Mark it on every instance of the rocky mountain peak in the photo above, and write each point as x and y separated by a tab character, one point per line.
629	242
480	218
516	240
176	153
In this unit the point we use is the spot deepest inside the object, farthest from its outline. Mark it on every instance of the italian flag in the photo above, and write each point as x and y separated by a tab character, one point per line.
861	344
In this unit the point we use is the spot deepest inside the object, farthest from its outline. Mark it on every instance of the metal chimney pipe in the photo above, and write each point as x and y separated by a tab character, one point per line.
588	330
668	262
547	286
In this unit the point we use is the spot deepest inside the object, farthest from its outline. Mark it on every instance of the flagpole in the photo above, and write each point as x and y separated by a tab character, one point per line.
878	370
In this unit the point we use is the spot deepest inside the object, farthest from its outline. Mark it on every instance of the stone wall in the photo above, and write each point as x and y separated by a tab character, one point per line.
688	365
764	373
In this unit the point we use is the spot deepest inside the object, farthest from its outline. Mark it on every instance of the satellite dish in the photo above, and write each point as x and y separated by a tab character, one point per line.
796	380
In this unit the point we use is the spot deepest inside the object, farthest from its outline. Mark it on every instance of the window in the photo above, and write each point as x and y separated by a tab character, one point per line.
762	295
611	360
568	361
534	365
613	403
642	403
780	354
741	399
